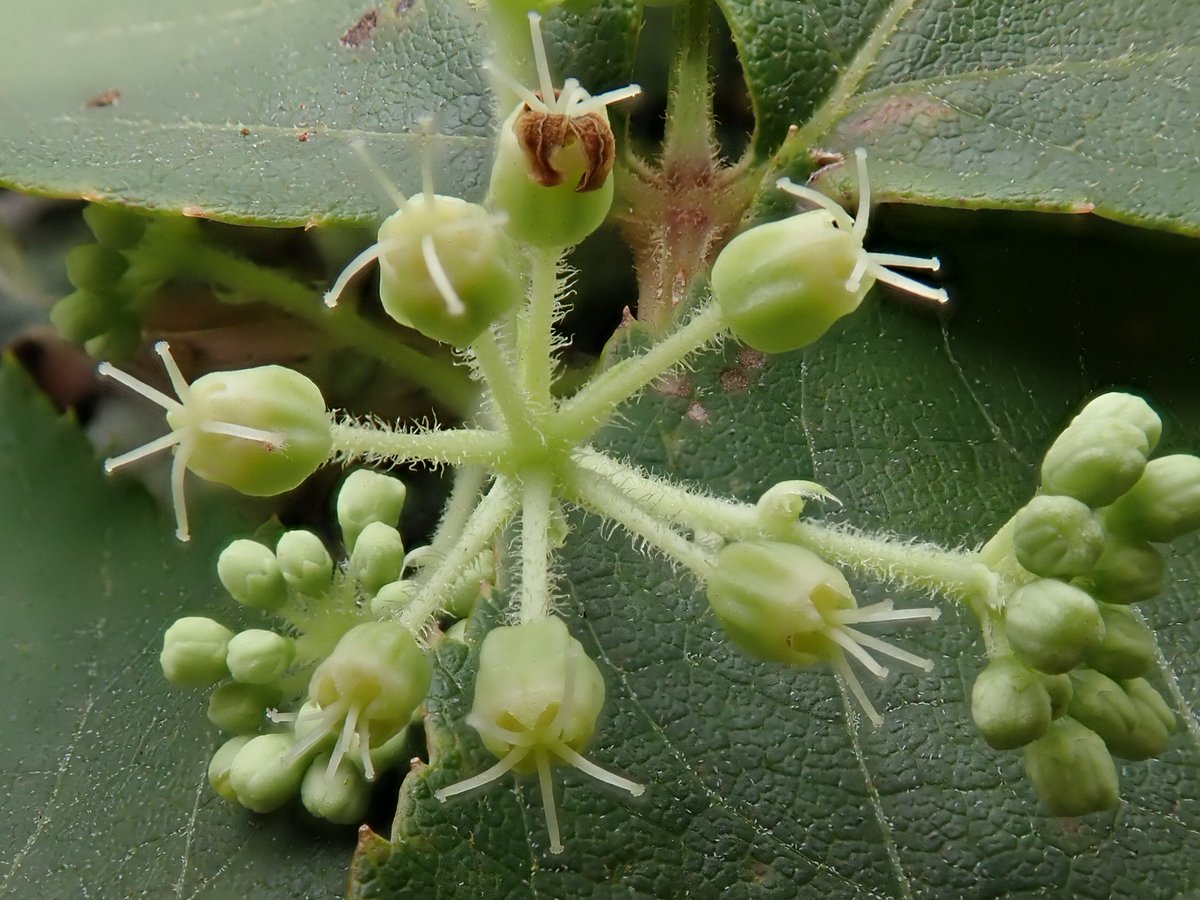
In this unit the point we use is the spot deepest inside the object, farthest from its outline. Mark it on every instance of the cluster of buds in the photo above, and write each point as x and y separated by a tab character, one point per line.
1072	687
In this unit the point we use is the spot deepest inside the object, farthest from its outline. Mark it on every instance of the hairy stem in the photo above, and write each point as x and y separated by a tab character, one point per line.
537	327
481	529
536	496
594	493
595	403
457	447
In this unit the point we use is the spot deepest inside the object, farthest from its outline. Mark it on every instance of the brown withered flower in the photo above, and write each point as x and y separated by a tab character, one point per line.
571	122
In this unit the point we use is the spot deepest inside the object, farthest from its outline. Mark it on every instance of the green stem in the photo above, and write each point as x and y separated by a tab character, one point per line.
595	403
961	576
454	447
485	522
689	131
536	327
445	381
464	497
502	384
536	496
596	494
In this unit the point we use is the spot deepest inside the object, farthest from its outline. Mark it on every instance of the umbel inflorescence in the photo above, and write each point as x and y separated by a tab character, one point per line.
319	705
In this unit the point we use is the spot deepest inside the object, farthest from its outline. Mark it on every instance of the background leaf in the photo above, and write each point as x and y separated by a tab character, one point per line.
244	111
761	781
104	790
1067	106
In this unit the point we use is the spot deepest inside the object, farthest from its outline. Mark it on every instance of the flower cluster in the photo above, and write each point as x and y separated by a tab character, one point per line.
320	706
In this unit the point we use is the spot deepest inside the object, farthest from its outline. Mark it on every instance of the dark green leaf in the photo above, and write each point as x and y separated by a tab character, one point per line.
1070	107
104	791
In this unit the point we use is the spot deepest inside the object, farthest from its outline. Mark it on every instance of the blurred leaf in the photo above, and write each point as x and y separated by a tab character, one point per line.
104	790
1067	106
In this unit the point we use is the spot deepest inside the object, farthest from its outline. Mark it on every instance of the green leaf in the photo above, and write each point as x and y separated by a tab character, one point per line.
1070	107
104	787
761	780
245	111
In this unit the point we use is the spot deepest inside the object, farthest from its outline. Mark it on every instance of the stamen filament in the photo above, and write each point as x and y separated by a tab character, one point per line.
108	370
847	643
441	280
909	285
546	782
364	750
881	646
864	195
512	758
850	680
531	99
543	65
178	504
812	196
359	146
585	765
355	266
178	382
272	439
932	263
343	741
158	444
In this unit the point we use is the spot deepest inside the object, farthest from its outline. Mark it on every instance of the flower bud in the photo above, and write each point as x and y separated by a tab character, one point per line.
1058	687
782	505
1099	703
1128	648
258	656
1071	770
83	315
535	680
1129	722
377	558
1127	572
340	797
1057	537
241	708
1163	505
305	563
94	267
193	653
286	417
368	688
264	775
1009	704
1095	461
446	268
782	285
367	497
115	226
1125	408
220	764
1142	692
773	600
1052	626
392	599
251	574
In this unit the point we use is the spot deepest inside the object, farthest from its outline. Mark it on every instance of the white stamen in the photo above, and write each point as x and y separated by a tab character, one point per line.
887	276
841	217
881	646
272	439
108	370
529	97
585	765
441	280
178	382
356	265
854	282
343	741
325	720
280	718
178	470
546	782
497	732
932	263
543	65
359	146
864	195
364	750
512	758
158	444
850	680
843	640
585	104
